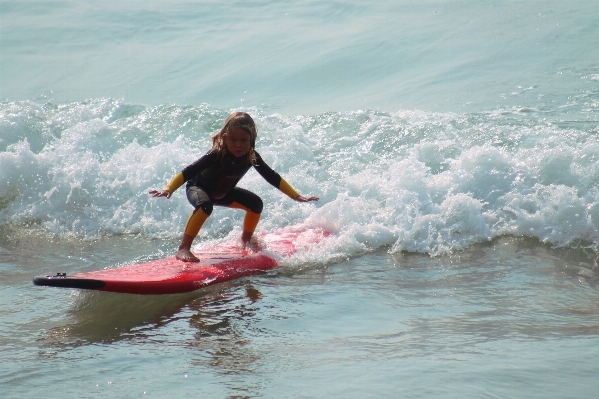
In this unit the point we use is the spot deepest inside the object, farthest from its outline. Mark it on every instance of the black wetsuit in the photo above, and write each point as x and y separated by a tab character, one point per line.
212	180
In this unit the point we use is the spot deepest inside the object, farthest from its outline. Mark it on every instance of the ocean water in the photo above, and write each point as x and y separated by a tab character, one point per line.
454	147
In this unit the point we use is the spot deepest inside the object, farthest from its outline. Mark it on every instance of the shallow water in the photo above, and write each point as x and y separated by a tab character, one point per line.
509	318
453	146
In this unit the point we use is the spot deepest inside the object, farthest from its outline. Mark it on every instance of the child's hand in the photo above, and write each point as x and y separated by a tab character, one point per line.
163	193
301	198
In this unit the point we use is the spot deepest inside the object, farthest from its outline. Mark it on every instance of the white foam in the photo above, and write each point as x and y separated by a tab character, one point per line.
414	181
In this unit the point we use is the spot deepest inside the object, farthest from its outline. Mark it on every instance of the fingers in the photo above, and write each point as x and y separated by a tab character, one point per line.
156	193
301	198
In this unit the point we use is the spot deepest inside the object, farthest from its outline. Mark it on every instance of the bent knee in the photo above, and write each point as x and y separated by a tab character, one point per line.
207	207
257	206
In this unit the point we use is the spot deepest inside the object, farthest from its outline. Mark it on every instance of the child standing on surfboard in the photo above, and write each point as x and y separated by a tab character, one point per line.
212	180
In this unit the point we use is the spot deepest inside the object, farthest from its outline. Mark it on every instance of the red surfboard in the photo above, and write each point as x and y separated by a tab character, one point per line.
171	276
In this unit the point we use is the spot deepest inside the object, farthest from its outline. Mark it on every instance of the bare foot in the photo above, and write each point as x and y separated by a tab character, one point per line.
185	255
250	242
246	238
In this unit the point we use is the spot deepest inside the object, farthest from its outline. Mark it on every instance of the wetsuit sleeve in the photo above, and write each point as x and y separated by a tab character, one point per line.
287	189
175	183
274	178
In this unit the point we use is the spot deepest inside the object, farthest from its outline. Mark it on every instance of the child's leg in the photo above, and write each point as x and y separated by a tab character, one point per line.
203	208
240	198
250	221
192	228
249	226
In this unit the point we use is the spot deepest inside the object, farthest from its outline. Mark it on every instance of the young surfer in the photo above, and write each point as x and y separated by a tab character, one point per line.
212	180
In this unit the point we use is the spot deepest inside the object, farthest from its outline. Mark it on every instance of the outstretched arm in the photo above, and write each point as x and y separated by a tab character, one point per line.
290	191
276	180
167	191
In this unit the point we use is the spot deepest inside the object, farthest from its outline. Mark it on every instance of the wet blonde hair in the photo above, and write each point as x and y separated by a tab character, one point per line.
239	120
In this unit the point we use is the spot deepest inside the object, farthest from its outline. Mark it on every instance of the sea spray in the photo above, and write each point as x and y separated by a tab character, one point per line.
411	180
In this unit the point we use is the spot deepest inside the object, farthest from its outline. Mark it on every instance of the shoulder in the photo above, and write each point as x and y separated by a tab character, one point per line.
204	161
259	160
212	155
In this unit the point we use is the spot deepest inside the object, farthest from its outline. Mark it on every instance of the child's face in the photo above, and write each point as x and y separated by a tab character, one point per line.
237	141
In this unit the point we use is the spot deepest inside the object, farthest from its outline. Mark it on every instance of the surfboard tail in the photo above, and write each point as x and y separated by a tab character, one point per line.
61	280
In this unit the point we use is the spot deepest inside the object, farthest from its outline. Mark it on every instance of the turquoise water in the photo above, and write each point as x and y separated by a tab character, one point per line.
453	146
